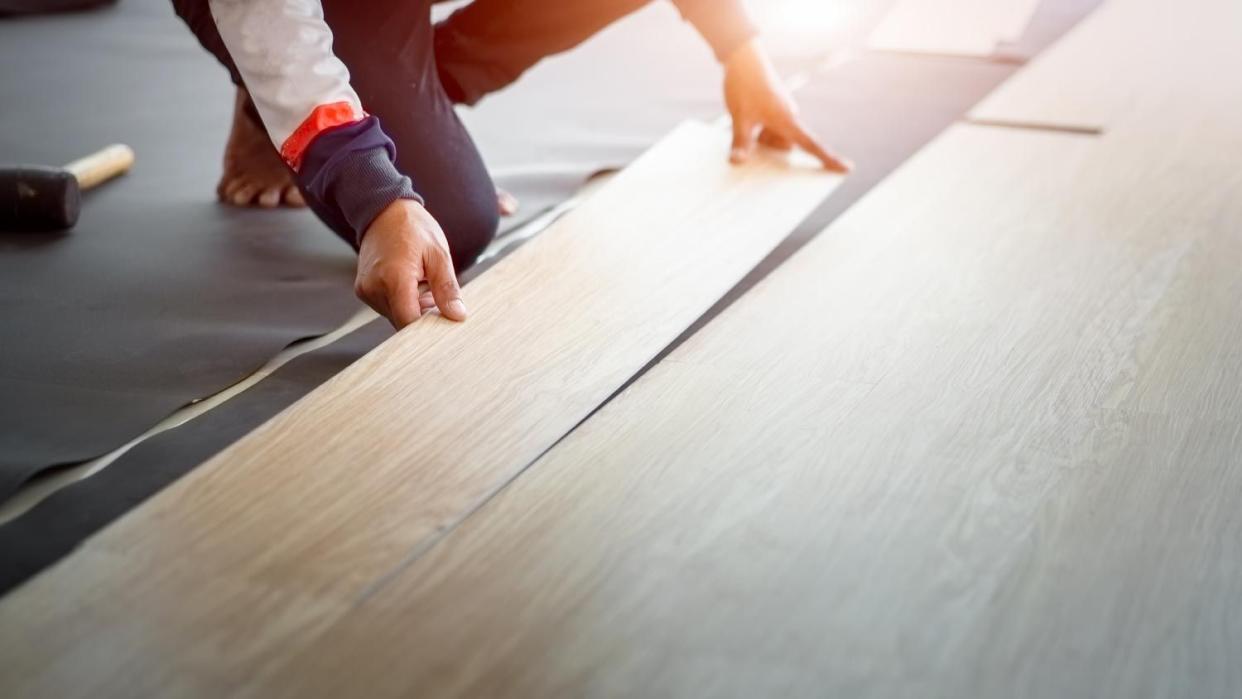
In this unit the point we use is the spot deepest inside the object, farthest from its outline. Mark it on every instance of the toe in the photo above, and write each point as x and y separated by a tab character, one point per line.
269	198
506	203
243	194
293	197
227	186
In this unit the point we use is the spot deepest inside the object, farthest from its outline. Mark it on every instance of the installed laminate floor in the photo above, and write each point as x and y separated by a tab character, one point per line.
1131	62
980	438
248	555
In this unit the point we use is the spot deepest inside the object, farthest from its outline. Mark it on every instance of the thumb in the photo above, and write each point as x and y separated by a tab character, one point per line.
743	140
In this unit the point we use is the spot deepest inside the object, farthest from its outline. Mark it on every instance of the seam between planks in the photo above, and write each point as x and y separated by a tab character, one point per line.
743	286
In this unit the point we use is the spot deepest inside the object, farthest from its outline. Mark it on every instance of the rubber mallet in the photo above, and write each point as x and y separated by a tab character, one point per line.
36	198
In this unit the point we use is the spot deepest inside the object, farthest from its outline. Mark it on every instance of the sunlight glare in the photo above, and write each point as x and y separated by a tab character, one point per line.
804	17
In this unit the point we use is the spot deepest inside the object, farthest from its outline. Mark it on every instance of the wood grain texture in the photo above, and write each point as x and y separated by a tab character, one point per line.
983	437
309	513
951	27
1130	62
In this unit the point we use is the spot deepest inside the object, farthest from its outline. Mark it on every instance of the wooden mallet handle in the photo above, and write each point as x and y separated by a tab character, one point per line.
100	167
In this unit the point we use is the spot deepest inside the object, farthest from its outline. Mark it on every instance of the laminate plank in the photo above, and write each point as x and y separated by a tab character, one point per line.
350	483
163	611
921	459
961	27
1130	62
951	27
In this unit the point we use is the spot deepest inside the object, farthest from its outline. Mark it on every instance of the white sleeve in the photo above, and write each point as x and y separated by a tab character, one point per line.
283	50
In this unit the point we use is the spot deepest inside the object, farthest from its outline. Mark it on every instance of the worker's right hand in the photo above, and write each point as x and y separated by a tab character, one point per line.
403	247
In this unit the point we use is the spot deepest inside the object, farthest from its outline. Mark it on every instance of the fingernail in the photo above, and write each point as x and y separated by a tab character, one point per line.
457	308
737	155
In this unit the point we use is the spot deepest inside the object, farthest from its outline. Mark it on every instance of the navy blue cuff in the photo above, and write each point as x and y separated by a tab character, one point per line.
351	169
723	23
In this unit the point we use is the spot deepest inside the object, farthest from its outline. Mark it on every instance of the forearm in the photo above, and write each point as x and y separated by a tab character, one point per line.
283	51
724	24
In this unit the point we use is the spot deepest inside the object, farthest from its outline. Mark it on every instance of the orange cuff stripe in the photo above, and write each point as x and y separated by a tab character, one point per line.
322	118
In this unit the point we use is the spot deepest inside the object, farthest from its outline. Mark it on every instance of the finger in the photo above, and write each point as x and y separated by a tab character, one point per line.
403	300
243	194
426	301
803	138
743	141
293	197
378	303
270	198
773	139
443	282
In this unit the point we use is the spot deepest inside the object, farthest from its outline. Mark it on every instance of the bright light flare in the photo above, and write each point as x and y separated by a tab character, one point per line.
804	18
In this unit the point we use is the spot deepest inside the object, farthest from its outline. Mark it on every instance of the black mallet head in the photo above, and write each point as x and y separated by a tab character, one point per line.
34	198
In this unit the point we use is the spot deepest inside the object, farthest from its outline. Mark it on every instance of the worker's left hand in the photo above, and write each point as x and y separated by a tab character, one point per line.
763	111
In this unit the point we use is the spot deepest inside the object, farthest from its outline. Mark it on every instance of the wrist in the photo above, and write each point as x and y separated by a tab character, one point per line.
745	52
724	24
351	170
399	216
367	185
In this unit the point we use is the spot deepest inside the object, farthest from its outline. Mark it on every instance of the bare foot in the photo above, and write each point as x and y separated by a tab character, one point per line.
254	174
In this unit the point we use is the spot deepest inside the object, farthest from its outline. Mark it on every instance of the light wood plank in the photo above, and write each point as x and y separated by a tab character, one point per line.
354	480
202	632
961	27
951	27
938	453
1131	61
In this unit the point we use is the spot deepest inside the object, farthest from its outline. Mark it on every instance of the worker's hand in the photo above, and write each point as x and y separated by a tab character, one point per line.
763	110
403	247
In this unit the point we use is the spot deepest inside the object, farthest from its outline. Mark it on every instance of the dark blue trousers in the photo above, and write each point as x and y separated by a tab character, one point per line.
409	73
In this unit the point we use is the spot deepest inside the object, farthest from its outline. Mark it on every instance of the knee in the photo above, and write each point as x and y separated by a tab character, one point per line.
469	228
469	224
